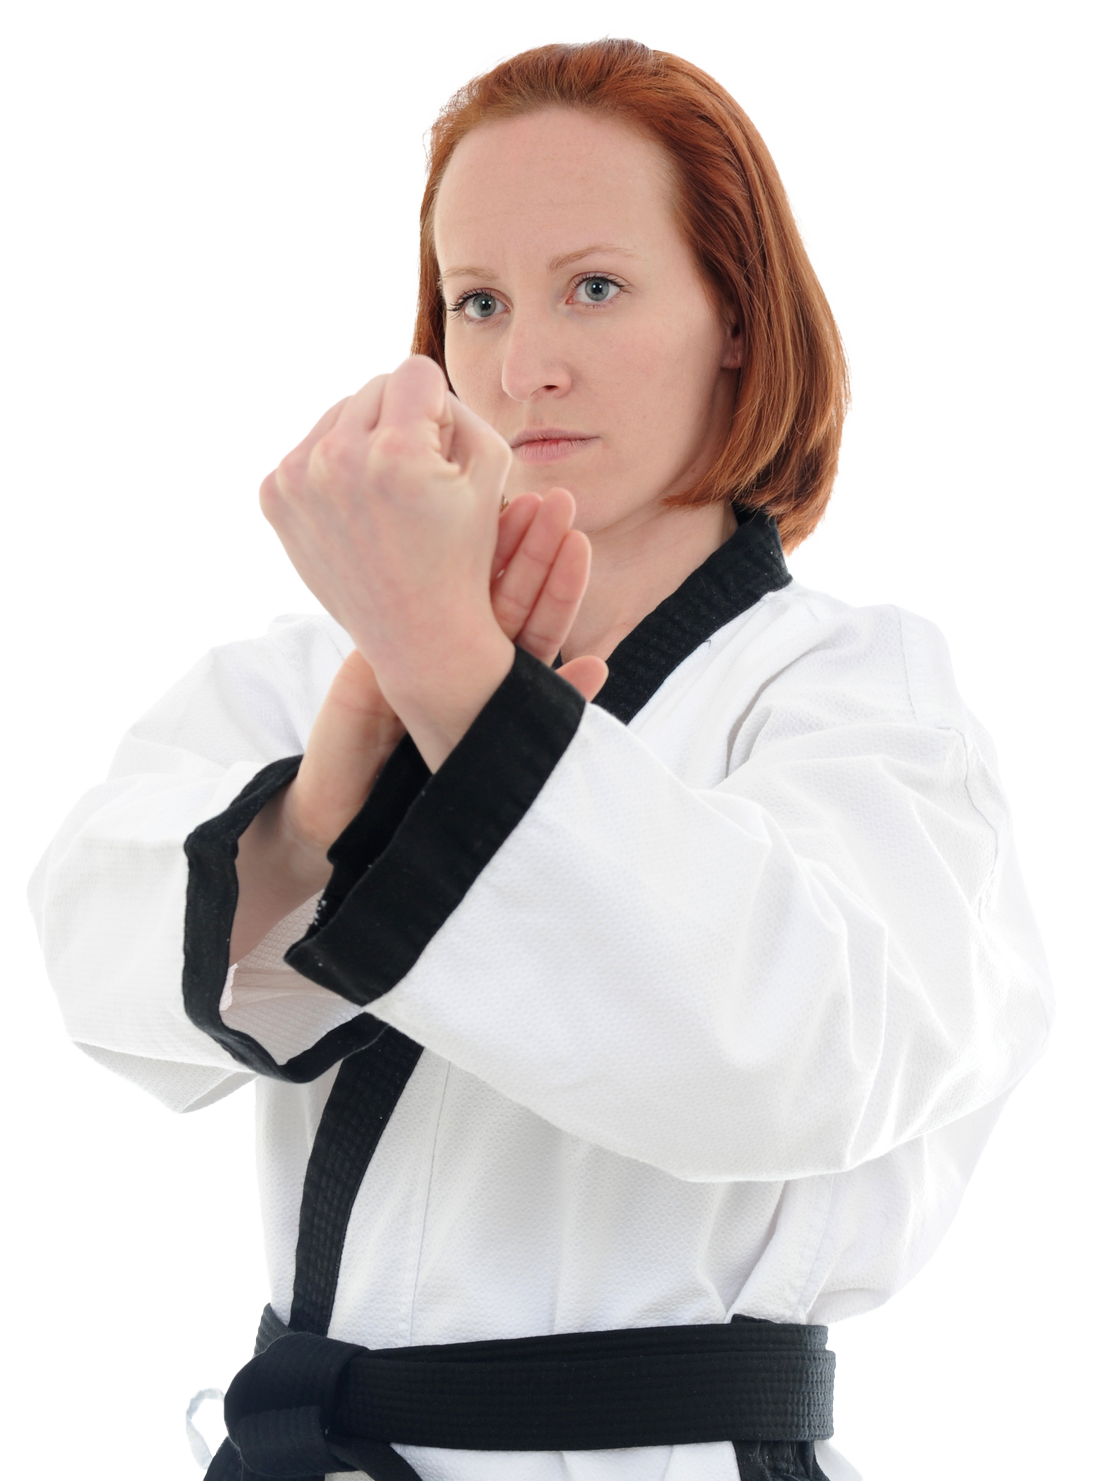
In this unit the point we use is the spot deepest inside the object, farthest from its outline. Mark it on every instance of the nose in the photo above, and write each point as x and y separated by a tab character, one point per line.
534	366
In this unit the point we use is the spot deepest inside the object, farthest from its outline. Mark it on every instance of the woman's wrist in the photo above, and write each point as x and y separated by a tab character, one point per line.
297	854
438	705
277	869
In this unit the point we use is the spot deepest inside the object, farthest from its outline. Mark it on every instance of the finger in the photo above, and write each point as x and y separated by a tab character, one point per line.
363	407
512	526
414	419
394	421
552	616
477	449
587	674
326	421
339	446
416	397
287	472
362	410
518	589
447	428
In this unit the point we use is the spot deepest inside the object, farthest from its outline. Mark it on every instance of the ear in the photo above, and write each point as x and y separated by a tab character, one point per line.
733	355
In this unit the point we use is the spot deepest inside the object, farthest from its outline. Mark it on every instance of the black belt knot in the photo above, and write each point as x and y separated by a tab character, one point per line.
279	1407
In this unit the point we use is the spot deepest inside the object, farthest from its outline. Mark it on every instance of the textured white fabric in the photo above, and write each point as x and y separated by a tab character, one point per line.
723	1026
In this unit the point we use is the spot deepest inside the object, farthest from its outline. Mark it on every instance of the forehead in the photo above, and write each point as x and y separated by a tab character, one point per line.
544	177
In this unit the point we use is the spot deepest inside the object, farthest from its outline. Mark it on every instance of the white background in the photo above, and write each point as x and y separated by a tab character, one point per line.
211	236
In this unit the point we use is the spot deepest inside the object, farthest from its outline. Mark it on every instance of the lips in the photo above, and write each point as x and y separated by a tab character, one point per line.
549	444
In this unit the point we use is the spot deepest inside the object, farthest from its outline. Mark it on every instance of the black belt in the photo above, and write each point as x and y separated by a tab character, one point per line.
307	1404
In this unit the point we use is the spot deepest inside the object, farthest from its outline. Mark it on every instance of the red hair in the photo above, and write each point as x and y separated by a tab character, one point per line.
782	443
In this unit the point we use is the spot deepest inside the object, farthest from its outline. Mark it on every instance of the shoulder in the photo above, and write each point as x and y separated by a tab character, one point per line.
876	682
800	662
882	659
796	638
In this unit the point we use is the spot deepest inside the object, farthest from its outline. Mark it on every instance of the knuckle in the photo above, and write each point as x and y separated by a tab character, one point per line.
271	495
538	643
336	456
501	452
508	609
563	591
541	558
390	445
293	468
400	463
490	452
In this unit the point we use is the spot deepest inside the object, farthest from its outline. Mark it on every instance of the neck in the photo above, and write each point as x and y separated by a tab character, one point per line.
636	567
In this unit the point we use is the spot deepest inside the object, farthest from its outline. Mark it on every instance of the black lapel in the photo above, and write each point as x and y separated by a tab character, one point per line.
361	1103
748	566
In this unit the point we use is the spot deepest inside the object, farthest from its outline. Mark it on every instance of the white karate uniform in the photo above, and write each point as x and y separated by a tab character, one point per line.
721	1026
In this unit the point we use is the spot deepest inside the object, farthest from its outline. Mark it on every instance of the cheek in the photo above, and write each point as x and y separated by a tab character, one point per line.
454	364
472	371
666	365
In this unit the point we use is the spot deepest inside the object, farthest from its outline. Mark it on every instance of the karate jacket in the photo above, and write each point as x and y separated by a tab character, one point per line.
721	981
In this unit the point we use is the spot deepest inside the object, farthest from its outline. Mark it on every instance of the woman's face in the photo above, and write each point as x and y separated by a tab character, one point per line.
579	326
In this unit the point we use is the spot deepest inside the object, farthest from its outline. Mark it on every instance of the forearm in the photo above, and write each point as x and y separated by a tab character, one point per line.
438	708
277	870
282	858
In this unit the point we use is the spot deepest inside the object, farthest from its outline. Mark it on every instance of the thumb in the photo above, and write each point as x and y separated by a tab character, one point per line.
588	675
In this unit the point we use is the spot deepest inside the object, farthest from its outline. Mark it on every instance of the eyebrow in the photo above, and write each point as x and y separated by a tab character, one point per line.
569	257
565	260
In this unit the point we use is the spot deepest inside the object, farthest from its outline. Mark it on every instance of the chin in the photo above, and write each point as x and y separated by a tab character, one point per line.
599	506
599	510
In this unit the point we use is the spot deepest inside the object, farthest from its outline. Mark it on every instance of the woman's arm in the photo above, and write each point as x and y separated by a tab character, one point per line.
540	569
782	973
110	895
388	510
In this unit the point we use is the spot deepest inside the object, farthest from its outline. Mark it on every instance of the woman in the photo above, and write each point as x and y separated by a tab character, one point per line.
666	1026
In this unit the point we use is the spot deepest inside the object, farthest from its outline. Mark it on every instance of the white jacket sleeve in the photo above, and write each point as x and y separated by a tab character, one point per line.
789	973
821	955
109	896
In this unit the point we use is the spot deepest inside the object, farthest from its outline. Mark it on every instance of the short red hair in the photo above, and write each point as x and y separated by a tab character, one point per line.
782	445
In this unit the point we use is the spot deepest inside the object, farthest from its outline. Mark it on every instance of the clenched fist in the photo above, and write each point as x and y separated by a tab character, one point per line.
389	511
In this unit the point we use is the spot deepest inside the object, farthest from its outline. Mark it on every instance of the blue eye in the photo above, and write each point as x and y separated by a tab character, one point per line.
596	289
479	305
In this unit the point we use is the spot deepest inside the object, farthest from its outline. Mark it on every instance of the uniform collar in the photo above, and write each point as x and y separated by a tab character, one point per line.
748	566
